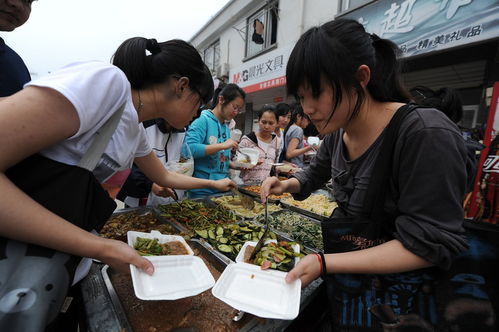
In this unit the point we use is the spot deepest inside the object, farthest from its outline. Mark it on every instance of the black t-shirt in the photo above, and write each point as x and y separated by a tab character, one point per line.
13	71
426	188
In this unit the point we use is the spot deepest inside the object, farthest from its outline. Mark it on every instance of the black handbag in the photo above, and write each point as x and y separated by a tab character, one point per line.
34	280
419	299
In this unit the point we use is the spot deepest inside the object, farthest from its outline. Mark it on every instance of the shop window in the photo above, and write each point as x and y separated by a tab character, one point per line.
211	56
351	4
261	32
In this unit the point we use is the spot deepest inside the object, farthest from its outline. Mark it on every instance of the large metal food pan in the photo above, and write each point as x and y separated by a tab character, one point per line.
307	212
283	236
243	190
245	218
119	232
179	225
219	262
287	236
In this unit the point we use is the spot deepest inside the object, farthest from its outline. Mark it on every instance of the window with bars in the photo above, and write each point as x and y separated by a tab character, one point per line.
261	32
211	56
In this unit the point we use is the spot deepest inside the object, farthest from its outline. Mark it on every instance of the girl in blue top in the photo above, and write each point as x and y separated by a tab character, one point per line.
208	137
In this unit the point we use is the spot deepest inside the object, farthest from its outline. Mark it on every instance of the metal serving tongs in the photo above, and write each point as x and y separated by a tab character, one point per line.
264	235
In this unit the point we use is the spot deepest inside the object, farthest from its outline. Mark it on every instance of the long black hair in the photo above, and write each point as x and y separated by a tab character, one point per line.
333	52
229	91
164	60
296	110
446	100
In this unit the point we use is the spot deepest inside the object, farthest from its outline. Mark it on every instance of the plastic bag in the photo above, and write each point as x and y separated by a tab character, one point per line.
184	164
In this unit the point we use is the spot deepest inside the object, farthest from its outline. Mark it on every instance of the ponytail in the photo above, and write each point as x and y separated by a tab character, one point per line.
386	80
229	92
146	62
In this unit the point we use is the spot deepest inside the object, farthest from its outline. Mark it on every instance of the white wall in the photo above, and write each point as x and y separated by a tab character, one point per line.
319	11
295	17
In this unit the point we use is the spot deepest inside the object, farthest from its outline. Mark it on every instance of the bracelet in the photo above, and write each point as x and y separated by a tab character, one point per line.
320	263
323	263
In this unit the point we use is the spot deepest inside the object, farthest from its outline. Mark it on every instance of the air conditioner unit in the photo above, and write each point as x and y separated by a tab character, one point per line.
222	70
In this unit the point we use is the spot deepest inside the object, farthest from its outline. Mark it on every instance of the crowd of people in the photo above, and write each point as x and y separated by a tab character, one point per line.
164	96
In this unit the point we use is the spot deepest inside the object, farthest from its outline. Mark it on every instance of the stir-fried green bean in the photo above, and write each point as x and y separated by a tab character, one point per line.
196	215
147	247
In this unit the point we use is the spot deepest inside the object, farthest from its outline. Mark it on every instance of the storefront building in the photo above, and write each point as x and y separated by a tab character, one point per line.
445	43
248	42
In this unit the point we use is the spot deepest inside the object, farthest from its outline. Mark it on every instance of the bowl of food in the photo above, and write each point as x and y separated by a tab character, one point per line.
246	157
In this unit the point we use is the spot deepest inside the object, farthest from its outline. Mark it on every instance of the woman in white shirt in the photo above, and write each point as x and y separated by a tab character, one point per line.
55	119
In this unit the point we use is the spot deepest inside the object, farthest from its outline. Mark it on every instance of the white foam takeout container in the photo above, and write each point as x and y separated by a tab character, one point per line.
174	277
263	293
252	153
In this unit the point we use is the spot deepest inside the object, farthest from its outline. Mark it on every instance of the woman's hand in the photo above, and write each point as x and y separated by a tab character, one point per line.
223	184
162	191
271	185
119	255
230	144
307	270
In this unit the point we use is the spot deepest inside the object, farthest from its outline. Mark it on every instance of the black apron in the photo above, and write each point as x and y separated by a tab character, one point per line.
416	300
35	280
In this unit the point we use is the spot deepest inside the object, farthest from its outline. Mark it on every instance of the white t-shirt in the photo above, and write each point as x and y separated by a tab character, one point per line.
97	90
158	141
263	145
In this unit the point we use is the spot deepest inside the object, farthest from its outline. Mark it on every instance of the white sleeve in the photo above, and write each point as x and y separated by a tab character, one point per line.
144	148
96	90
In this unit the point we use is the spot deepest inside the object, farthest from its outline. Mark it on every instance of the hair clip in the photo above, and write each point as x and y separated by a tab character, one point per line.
153	46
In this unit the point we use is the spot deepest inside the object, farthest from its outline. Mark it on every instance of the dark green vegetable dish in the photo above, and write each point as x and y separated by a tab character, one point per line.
196	215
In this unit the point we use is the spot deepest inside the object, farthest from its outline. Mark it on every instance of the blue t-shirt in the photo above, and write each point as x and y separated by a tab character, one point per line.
13	71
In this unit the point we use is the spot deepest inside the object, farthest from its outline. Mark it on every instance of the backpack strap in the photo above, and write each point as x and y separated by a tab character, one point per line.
103	136
383	167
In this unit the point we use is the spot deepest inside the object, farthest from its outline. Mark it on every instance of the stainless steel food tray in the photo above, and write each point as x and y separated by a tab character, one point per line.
289	237
245	218
205	200
307	212
255	196
143	210
218	261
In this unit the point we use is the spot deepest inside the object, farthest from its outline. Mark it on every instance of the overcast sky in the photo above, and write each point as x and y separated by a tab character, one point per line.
62	31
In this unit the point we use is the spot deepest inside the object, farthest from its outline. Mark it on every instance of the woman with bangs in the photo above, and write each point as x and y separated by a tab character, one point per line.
393	222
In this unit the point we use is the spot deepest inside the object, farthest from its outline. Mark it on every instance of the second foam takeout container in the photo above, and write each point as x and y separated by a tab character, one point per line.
174	277
263	293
